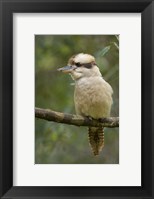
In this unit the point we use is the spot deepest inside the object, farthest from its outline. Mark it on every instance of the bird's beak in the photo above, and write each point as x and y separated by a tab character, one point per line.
66	69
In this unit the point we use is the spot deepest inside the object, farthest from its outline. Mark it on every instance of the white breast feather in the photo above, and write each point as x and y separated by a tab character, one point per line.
93	97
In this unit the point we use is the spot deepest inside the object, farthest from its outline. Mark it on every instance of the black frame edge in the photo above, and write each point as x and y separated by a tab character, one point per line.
6	156
152	52
146	121
1	181
6	103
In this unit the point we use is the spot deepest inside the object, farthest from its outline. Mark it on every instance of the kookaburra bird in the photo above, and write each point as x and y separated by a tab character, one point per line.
92	95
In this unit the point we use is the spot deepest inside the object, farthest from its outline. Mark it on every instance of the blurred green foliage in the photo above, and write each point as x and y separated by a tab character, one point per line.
64	144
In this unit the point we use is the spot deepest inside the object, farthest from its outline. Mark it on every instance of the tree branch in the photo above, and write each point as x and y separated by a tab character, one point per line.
77	120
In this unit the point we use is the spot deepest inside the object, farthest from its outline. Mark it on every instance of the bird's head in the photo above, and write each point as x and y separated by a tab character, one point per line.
81	65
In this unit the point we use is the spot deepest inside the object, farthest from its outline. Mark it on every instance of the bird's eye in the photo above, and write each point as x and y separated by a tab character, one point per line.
78	64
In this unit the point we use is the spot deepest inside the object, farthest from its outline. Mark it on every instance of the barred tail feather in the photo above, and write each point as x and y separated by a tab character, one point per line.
96	139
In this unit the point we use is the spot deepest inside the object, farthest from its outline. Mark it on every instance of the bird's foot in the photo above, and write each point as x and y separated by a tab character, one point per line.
90	118
103	119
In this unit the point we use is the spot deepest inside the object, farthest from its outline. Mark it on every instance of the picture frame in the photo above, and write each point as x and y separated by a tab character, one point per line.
7	8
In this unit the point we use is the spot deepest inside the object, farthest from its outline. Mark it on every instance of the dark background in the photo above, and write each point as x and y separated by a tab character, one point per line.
64	144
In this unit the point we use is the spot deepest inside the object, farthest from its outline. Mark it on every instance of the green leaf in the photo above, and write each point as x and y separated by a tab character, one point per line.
117	36
116	45
104	51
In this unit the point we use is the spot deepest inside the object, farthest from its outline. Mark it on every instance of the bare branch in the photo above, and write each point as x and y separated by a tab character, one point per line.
77	120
